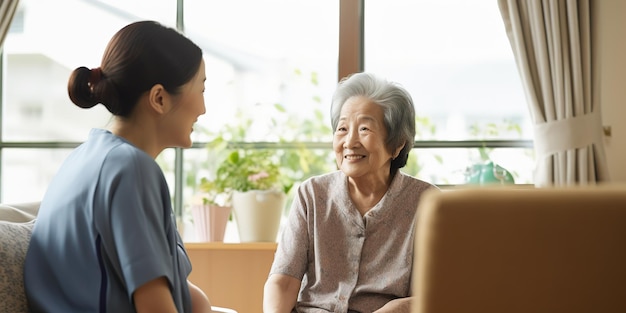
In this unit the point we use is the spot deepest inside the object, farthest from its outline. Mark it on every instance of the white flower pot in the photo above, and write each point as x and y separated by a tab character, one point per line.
258	214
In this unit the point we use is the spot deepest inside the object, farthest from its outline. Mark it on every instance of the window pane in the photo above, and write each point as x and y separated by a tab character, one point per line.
452	166
455	59
42	49
271	69
262	53
26	173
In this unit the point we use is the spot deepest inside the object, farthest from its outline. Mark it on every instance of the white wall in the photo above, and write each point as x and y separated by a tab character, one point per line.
609	58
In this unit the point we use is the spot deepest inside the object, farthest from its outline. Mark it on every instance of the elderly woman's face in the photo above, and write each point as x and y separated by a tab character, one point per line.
359	140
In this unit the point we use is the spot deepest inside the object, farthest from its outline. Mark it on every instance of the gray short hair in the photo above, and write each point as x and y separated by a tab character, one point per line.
398	110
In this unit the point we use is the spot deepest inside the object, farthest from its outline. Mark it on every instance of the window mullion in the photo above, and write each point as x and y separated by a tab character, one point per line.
351	46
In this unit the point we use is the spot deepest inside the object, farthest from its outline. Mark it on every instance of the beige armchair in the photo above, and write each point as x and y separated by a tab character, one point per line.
521	250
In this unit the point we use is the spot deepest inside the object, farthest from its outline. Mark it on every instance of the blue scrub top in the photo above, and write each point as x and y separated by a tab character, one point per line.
105	227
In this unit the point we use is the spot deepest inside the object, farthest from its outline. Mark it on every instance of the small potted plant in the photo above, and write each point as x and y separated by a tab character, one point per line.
486	171
258	192
212	212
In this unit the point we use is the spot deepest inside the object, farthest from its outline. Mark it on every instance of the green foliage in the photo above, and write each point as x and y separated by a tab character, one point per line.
243	170
246	170
254	168
483	171
493	130
424	128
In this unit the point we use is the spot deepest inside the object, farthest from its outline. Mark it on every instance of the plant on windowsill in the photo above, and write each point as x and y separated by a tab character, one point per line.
212	213
486	171
211	207
235	164
257	190
252	169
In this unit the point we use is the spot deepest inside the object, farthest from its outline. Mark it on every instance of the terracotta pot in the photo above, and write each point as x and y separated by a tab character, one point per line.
258	214
210	221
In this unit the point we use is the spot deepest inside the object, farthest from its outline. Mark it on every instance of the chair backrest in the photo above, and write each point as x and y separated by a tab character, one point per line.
521	250
14	239
20	212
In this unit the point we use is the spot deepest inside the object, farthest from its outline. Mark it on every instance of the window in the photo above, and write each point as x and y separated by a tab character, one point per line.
39	54
272	63
455	59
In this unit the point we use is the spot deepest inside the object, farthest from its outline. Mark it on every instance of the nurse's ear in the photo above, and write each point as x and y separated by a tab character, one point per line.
159	100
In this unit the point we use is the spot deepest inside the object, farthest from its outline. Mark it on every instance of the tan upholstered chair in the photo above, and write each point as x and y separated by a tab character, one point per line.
523	250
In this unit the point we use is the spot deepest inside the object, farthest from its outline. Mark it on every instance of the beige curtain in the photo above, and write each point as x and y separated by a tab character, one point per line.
7	10
551	41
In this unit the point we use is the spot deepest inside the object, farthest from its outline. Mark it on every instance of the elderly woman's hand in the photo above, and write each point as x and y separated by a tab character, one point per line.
401	305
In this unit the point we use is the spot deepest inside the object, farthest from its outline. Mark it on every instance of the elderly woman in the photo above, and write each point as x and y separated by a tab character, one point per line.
348	244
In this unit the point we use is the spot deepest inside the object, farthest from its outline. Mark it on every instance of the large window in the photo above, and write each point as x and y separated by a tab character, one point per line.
39	123
273	63
455	58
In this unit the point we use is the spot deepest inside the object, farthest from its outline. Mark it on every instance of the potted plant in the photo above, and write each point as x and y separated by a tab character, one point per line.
486	171
258	192
211	212
244	172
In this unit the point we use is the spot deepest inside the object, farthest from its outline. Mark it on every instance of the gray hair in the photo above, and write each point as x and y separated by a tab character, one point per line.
398	110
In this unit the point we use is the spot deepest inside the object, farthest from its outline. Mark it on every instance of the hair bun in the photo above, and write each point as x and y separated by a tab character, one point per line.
80	86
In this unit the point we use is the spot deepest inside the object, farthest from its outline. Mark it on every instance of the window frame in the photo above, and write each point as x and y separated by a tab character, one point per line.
350	60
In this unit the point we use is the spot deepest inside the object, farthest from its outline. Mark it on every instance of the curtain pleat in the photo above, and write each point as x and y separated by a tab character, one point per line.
7	11
551	41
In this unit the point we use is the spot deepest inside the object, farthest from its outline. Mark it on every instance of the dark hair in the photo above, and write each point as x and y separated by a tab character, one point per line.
139	56
398	110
